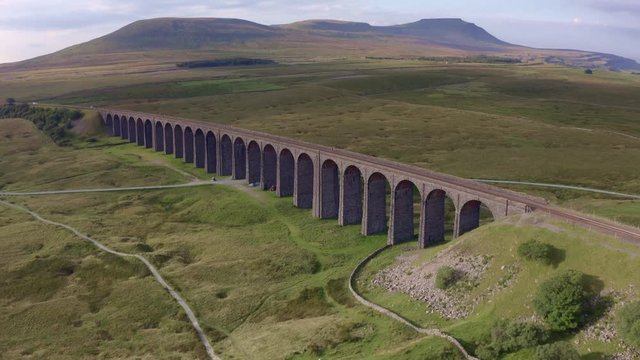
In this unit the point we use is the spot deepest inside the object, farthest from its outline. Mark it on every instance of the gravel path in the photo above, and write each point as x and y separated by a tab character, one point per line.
393	315
152	269
130	188
558	186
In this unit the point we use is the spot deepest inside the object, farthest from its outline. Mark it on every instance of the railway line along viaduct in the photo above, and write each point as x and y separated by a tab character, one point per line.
380	195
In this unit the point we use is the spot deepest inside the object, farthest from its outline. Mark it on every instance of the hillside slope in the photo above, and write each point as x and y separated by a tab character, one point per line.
167	39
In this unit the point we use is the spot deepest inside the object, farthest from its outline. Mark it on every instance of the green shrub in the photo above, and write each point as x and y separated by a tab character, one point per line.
536	251
53	122
511	336
628	323
557	351
561	300
446	277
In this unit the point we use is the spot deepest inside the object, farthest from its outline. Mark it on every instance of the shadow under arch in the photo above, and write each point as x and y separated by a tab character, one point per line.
352	196
304	182
375	204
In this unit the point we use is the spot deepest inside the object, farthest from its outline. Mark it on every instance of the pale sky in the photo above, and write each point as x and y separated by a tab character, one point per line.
30	28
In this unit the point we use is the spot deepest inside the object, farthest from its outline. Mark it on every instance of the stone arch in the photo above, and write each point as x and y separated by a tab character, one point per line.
132	130
148	134
108	122
351	196
434	217
304	182
226	149
188	145
286	172
168	139
210	143
178	141
239	159
116	125
469	217
200	149
124	128
375	220
140	132
269	167
159	145
253	162
403	219
329	190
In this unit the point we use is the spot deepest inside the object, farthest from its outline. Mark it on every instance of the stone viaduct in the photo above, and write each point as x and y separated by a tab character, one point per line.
354	188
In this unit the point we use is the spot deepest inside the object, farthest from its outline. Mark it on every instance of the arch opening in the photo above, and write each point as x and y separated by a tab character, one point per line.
329	190
253	162
132	130
405	198
116	125
226	149
210	143
438	218
352	192
286	173
376	194
140	132
108	123
269	168
304	182
472	214
188	145
124	128
239	159
148	134
159	145
200	149
168	139
179	142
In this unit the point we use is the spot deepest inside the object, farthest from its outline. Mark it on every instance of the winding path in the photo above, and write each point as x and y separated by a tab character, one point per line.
130	188
395	316
152	269
558	186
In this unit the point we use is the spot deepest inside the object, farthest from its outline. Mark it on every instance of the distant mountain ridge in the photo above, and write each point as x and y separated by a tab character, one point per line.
448	37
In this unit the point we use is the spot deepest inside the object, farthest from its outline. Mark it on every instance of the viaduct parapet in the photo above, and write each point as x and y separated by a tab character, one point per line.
379	194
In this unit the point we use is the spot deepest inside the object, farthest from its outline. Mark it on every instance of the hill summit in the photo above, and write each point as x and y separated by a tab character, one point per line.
168	39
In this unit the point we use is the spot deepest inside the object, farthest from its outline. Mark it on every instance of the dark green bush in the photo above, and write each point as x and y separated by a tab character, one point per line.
536	251
561	300
557	351
446	277
511	336
53	122
628	323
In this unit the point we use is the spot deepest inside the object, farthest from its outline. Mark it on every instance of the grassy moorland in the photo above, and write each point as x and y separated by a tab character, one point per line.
513	122
266	280
507	287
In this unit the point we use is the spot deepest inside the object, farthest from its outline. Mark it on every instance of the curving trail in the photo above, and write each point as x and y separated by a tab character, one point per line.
130	188
558	186
152	269
395	316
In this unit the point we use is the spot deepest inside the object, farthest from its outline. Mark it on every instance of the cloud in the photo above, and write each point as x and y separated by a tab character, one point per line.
630	7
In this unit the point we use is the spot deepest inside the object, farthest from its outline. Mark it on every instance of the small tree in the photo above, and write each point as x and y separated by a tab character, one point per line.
588	71
557	351
628	323
561	300
536	251
10	101
446	277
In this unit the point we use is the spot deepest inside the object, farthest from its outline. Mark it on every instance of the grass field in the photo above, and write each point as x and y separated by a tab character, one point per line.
517	122
265	279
